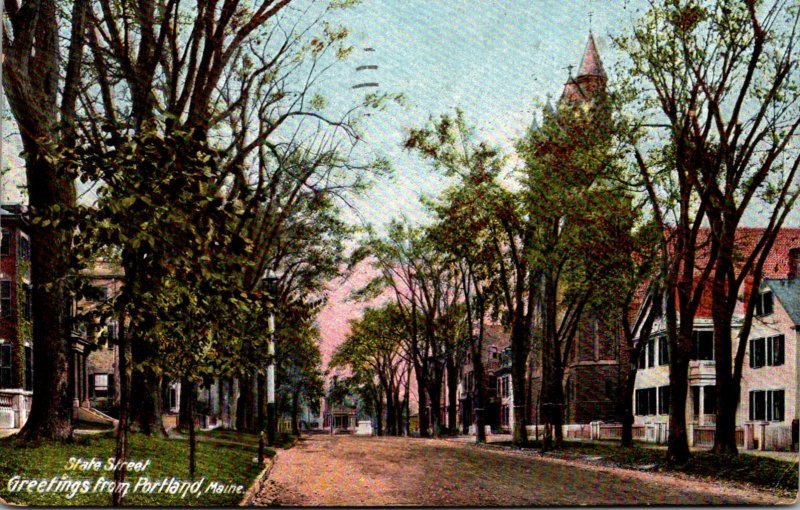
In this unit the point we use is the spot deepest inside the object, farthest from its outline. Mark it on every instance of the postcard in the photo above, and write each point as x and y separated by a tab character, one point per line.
368	253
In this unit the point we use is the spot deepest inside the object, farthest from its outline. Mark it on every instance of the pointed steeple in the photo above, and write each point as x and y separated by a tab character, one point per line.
591	65
534	127
590	80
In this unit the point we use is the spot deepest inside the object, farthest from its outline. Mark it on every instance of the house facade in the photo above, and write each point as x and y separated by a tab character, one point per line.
495	342
768	402
16	328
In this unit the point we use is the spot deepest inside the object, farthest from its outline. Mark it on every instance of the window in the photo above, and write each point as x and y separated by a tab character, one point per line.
703	345
99	293
651	352
710	400
5	242
663	351
5	366
663	400
27	302
24	248
766	351
766	405
646	402
28	368
609	389
764	304
6	309
709	403
101	384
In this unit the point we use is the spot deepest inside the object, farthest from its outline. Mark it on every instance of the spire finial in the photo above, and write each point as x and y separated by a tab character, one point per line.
591	15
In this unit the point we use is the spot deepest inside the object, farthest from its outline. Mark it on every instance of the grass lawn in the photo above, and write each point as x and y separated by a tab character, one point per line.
226	464
763	472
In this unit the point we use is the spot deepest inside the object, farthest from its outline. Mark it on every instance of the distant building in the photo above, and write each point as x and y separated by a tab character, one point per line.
16	328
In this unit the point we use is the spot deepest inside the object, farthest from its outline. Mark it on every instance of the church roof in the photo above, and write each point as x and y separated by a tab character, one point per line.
591	65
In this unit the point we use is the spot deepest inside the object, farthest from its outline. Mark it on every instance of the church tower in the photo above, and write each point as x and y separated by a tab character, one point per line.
590	83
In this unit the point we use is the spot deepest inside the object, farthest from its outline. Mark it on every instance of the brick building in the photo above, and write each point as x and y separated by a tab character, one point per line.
16	349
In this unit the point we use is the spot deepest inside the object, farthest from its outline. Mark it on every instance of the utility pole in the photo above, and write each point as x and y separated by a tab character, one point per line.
271	281
271	381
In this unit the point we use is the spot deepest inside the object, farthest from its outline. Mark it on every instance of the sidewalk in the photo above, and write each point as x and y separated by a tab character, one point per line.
504	438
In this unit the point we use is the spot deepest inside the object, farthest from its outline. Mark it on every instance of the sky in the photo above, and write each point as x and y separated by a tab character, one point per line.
496	61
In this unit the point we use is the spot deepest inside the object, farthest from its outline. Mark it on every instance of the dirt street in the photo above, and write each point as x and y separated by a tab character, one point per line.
369	471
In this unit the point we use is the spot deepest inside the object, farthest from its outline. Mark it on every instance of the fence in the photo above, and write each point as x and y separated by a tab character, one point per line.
704	435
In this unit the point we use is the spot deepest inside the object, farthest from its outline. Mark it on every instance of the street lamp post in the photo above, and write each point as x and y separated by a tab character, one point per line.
271	281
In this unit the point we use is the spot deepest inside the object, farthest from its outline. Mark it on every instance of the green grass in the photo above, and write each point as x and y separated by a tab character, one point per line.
229	435
223	463
762	472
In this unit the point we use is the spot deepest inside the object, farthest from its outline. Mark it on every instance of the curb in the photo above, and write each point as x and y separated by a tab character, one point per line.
258	484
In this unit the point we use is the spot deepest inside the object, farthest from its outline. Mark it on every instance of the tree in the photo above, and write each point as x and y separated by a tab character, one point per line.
426	288
724	79
42	95
449	144
372	353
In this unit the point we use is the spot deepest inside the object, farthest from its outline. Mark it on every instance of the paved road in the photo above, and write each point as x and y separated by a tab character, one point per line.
363	471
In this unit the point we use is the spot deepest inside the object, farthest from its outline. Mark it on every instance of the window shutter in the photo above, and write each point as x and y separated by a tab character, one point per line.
752	406
752	363
91	386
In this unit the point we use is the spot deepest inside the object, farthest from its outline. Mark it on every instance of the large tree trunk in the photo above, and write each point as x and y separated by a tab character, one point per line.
435	396
452	398
146	404
407	400
423	408
244	405
727	400
626	403
480	394
678	443
379	411
31	84
520	346
51	412
398	414
722	311
390	407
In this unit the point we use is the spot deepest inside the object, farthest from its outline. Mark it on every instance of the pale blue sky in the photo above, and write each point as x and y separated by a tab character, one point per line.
497	61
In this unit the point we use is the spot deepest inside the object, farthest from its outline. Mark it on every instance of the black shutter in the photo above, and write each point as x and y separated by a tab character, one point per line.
752	357
91	386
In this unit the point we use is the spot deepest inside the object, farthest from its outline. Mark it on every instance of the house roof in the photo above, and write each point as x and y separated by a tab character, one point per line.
787	291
